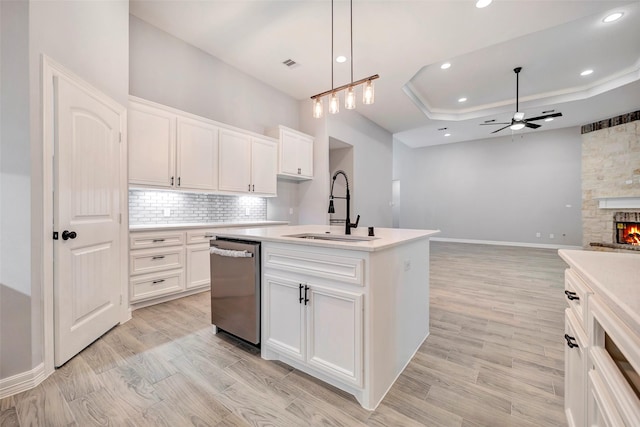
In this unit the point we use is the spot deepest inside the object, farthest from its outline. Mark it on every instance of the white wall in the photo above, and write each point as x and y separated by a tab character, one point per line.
169	71
372	166
90	39
15	206
501	189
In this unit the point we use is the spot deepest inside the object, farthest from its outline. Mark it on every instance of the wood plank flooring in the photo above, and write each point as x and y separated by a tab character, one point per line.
494	358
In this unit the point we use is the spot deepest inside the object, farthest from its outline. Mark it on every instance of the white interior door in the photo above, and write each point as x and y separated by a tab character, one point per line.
86	216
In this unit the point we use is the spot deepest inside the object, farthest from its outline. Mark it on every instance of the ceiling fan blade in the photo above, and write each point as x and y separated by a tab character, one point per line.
546	116
518	116
532	125
496	131
496	123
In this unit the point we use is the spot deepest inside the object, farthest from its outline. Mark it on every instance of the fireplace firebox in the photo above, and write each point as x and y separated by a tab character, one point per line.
627	228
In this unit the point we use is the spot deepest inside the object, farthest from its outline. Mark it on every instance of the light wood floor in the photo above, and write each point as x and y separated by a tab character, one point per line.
494	358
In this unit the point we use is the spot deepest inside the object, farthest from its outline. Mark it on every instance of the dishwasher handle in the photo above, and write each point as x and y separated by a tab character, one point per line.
230	253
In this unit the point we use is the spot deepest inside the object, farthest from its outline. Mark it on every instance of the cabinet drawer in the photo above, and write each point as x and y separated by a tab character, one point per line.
151	260
200	236
155	239
576	293
343	269
153	285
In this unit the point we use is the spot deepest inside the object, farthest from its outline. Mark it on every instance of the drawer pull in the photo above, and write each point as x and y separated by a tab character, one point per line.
209	235
570	341
157	240
155	282
158	257
571	295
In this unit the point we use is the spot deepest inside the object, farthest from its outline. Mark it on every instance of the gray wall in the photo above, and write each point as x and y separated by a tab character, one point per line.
91	40
15	206
501	189
171	72
372	166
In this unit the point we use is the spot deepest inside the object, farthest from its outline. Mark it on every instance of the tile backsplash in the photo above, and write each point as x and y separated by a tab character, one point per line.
152	207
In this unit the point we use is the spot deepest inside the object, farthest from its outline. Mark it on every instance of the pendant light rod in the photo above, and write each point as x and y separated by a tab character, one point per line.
351	28
339	88
332	44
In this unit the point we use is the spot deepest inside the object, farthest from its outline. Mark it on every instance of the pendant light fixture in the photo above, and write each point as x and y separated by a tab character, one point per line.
350	96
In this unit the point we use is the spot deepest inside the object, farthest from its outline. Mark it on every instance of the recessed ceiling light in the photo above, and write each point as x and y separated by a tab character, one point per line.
462	100
483	3
447	134
586	72
445	65
340	59
550	119
613	17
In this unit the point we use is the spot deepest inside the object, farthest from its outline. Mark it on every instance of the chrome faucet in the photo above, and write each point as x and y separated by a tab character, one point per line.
347	223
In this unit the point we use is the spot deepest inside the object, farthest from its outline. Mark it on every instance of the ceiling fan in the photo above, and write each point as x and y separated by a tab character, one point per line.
518	121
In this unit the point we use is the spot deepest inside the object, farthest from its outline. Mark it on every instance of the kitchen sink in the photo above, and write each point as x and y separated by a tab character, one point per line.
332	237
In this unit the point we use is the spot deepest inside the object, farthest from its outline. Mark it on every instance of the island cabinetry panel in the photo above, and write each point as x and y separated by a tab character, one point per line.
602	357
313	309
295	153
320	325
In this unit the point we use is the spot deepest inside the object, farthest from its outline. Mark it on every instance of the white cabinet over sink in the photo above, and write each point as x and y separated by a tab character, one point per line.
173	149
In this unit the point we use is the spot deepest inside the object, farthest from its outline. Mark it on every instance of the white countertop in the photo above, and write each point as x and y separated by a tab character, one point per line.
385	237
190	225
614	276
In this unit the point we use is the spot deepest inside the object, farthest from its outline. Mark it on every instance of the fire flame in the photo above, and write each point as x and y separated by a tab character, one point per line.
631	235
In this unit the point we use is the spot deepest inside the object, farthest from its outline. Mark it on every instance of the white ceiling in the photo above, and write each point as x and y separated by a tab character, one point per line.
405	42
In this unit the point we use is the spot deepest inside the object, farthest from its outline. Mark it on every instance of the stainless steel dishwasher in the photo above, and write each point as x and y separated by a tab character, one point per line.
235	287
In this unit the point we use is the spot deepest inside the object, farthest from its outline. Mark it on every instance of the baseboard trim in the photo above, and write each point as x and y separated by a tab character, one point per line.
501	243
22	382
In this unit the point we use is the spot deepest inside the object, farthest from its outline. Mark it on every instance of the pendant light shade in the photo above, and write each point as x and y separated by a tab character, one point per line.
334	103
350	99
317	108
368	93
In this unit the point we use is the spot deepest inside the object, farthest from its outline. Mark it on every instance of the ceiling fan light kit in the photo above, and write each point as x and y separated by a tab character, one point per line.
368	92
518	121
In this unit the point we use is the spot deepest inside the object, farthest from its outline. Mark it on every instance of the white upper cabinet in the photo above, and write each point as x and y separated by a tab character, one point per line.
152	146
197	153
295	153
248	164
264	166
235	161
177	150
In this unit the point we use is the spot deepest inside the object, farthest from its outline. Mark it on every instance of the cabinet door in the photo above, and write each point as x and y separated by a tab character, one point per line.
152	144
305	156
283	317
235	161
197	151
335	333
288	153
264	166
575	369
198	266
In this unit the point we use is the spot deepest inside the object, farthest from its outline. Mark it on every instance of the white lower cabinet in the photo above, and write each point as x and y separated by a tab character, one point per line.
575	366
198	269
319	325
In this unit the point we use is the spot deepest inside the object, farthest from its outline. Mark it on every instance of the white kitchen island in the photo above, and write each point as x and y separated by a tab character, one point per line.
351	313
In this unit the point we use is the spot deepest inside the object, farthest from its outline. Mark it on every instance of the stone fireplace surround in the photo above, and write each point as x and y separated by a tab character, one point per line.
610	178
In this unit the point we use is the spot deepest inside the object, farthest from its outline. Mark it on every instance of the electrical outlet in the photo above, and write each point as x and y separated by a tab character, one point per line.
551	236
407	265
290	211
538	234
247	211
167	212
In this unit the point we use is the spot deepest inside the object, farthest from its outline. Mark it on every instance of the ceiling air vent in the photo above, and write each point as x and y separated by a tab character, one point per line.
290	63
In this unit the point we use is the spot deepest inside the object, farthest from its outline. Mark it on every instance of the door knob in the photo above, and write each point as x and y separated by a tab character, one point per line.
66	234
